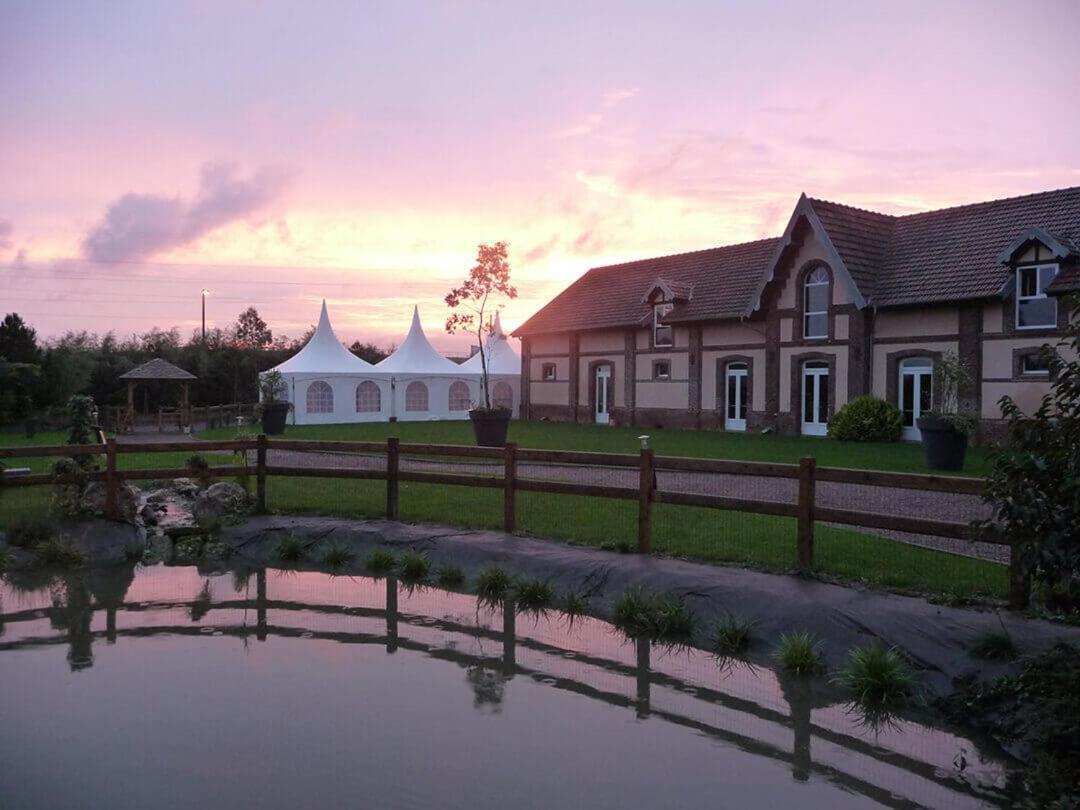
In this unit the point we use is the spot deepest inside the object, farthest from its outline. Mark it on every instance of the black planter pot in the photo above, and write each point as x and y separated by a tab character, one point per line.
273	418
944	445
490	427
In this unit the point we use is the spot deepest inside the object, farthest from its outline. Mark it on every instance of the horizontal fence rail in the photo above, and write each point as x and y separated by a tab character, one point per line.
804	509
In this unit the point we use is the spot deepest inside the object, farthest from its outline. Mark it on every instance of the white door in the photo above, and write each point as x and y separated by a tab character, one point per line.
603	394
815	399
736	397
916	393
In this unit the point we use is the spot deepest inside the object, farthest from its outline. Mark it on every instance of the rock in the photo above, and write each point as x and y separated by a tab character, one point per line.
128	500
158	497
223	502
149	514
185	486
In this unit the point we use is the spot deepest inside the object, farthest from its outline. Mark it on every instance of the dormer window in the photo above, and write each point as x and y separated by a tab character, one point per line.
1034	308
662	334
816	304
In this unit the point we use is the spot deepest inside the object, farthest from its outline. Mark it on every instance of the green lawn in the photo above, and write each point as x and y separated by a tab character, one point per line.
895	457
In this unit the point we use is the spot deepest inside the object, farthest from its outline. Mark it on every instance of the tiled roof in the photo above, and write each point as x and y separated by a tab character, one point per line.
860	237
158	369
722	280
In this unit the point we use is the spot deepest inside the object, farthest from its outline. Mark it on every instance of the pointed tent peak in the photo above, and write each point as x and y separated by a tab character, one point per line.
416	355
324	317
496	330
324	353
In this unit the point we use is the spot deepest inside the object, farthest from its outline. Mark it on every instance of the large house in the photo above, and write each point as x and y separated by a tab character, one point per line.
780	332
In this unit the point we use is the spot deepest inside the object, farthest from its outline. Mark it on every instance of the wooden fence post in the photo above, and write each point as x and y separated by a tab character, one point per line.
509	482
260	474
110	479
392	461
806	513
646	484
1019	581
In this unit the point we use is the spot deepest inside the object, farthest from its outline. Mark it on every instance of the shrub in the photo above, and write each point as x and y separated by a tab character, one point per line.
800	653
5	559
492	583
651	614
877	676
69	483
866	419
199	468
732	636
414	566
60	554
31	531
994	646
380	561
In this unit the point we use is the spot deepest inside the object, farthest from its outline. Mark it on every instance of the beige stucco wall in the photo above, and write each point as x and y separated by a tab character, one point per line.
663	395
991	318
786	326
619	400
613	341
550	393
915	322
878	383
562	368
732	333
811	250
1026	395
786	354
708	378
841	327
549	344
680	364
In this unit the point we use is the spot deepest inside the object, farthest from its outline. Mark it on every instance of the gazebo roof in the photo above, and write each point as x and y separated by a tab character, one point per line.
158	369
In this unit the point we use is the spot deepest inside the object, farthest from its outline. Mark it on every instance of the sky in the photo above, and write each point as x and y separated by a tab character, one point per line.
279	153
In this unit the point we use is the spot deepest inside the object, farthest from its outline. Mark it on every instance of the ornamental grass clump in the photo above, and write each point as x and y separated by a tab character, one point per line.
574	605
533	595
414	566
877	676
732	636
337	556
59	553
492	584
30	531
799	652
994	645
450	576
290	549
653	614
380	561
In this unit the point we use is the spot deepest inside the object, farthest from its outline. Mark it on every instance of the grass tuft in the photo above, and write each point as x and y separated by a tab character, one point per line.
492	583
337	556
380	561
5	559
732	636
877	676
414	566
652	614
800	652
60	554
290	549
533	595
450	576
574	605
994	645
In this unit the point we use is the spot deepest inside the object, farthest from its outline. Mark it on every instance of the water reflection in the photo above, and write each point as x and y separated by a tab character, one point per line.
795	721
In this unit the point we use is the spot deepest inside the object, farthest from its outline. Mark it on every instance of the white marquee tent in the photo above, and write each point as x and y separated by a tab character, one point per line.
327	384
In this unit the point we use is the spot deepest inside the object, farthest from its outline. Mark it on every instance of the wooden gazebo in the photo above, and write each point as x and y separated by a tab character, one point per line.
157	369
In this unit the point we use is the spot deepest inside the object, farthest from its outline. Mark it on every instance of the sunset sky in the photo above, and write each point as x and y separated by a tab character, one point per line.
279	153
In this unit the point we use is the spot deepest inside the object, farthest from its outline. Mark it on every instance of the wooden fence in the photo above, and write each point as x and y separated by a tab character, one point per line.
805	509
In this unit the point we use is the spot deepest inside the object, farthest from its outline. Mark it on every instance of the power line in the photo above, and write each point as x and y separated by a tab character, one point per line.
59	274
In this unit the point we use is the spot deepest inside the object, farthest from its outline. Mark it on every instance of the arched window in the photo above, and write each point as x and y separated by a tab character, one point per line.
416	396
502	395
320	397
368	397
816	304
459	396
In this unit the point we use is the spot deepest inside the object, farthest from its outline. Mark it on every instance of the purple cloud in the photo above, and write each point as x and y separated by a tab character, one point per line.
138	226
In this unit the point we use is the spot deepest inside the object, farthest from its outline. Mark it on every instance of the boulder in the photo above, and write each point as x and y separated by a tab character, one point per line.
128	500
223	502
185	486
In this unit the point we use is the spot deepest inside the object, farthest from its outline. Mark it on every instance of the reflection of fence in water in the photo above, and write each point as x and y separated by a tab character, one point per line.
751	709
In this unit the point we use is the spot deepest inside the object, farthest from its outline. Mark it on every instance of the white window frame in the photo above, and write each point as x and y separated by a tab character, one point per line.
805	300
1042	373
1040	294
656	370
544	368
659	311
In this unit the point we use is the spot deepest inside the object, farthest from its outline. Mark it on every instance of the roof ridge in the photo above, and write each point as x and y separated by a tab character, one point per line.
891	217
990	202
686	253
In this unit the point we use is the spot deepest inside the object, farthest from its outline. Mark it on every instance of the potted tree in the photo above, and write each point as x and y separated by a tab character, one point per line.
273	408
945	430
487	280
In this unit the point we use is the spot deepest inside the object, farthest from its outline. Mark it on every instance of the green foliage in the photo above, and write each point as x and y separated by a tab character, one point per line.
18	381
653	614
134	552
799	652
80	420
337	556
31	530
732	636
5	559
380	561
952	378
994	646
493	583
251	331
533	595
199	468
574	605
69	482
1034	487
18	342
272	388
290	549
450	576
205	547
414	566
1037	713
878	677
59	553
866	419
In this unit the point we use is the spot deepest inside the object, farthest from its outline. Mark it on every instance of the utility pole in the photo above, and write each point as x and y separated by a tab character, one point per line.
205	293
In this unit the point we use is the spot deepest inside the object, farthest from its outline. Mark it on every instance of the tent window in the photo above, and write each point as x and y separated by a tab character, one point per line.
459	396
368	397
502	395
320	397
416	396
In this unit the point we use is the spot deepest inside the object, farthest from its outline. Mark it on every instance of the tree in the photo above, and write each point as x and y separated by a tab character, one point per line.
1034	487
251	331
489	277
18	342
368	352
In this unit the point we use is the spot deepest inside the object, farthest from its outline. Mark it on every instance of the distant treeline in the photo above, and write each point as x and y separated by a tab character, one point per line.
39	377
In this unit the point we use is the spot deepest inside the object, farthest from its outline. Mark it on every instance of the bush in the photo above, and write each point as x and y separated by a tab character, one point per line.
866	419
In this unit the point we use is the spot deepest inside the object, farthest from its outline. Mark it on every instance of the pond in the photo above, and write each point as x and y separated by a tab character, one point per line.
169	687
